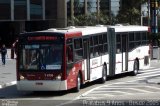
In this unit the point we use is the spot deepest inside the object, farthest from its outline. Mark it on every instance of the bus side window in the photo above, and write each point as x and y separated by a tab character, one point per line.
69	53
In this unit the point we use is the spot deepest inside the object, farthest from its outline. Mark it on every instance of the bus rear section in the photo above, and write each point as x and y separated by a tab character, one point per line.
129	49
40	62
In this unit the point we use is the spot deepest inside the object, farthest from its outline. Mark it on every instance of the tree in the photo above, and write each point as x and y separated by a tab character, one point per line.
103	19
89	20
130	11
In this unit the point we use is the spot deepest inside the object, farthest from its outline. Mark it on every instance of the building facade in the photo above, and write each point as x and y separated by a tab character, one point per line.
17	16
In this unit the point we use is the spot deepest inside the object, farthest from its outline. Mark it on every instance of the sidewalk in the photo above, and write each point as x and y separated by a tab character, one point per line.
8	73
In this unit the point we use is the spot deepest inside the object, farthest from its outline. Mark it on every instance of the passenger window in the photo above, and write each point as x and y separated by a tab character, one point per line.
131	36
118	43
100	49
137	36
100	39
104	38
91	41
96	51
78	43
91	52
69	53
118	48
105	48
95	38
118	38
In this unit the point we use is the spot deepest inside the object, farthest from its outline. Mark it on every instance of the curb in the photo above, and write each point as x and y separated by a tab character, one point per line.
8	84
8	59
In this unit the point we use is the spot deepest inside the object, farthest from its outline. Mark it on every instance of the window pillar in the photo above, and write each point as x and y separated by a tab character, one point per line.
28	10
72	11
12	10
61	13
43	9
85	6
98	9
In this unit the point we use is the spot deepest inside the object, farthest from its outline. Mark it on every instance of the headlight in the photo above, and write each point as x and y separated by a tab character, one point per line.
59	77
22	77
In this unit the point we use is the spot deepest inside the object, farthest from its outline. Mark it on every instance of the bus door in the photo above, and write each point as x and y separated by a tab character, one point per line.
124	38
87	58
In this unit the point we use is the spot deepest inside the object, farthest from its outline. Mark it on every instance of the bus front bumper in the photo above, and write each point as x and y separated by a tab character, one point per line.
26	85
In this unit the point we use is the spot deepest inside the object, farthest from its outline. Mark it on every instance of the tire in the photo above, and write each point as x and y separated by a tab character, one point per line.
78	86
135	68
104	74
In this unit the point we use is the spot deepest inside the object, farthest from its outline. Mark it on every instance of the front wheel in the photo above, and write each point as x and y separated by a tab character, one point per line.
78	85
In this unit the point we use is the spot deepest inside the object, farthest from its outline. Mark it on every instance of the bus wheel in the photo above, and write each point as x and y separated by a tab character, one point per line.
78	83
104	74
135	68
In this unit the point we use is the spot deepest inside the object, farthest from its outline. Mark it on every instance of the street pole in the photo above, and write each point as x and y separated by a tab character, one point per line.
149	13
154	25
141	15
153	13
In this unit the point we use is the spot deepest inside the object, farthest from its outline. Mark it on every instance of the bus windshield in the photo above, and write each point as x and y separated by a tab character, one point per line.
41	57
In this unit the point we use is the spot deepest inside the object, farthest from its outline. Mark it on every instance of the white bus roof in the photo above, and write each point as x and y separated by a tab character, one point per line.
88	30
129	28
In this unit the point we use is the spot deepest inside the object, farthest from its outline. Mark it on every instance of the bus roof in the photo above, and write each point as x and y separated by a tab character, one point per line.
88	30
85	30
129	28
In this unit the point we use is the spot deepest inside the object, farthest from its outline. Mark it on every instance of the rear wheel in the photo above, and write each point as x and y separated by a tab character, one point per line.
104	74
135	68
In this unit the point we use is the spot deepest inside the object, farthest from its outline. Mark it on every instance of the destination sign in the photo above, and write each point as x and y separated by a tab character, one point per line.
41	38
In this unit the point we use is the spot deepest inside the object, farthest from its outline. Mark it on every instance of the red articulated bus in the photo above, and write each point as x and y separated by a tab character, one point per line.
66	58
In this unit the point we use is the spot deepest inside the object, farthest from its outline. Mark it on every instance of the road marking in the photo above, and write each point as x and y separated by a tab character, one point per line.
11	83
141	90
153	87
91	95
120	87
104	93
125	82
8	84
150	70
84	94
146	76
62	104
